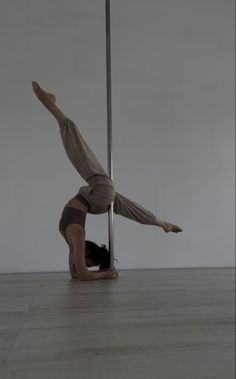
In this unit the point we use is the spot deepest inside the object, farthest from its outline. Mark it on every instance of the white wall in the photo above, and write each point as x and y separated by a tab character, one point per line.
173	120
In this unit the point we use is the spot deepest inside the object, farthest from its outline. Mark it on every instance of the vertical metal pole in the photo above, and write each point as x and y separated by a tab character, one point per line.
109	128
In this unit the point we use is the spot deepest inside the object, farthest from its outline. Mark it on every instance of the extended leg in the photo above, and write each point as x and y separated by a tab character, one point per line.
79	153
136	212
77	150
48	100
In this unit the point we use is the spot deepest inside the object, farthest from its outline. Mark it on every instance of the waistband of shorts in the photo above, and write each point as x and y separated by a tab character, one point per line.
83	200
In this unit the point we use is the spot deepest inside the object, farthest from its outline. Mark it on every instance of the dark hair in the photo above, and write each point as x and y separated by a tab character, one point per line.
99	255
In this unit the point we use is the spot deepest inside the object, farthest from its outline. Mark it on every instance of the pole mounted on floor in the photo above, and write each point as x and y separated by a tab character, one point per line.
109	128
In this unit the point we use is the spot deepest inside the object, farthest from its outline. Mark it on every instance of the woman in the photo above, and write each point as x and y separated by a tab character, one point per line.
94	198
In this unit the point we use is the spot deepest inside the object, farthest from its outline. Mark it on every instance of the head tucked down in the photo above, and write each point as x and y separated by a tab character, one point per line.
97	255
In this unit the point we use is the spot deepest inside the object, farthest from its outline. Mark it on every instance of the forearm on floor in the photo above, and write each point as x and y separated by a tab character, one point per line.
93	275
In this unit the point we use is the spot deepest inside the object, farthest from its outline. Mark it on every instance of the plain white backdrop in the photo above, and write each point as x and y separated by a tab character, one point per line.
173	126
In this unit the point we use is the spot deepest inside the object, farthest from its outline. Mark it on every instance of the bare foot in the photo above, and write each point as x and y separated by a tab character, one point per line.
45	97
171	228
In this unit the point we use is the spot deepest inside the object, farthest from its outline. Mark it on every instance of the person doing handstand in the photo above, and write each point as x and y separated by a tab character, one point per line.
95	198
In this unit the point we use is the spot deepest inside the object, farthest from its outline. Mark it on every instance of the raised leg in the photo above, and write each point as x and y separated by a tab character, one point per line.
77	150
134	211
79	153
49	101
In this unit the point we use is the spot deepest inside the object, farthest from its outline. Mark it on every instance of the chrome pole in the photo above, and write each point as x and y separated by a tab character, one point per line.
109	129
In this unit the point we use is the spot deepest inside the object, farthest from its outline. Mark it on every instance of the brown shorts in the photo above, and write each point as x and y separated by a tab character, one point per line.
99	194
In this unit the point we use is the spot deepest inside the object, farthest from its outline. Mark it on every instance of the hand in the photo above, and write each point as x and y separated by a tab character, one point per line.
111	274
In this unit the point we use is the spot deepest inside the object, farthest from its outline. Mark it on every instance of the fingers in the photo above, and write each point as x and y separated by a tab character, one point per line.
111	274
116	275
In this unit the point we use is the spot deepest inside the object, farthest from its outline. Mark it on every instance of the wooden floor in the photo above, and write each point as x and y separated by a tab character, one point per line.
148	324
